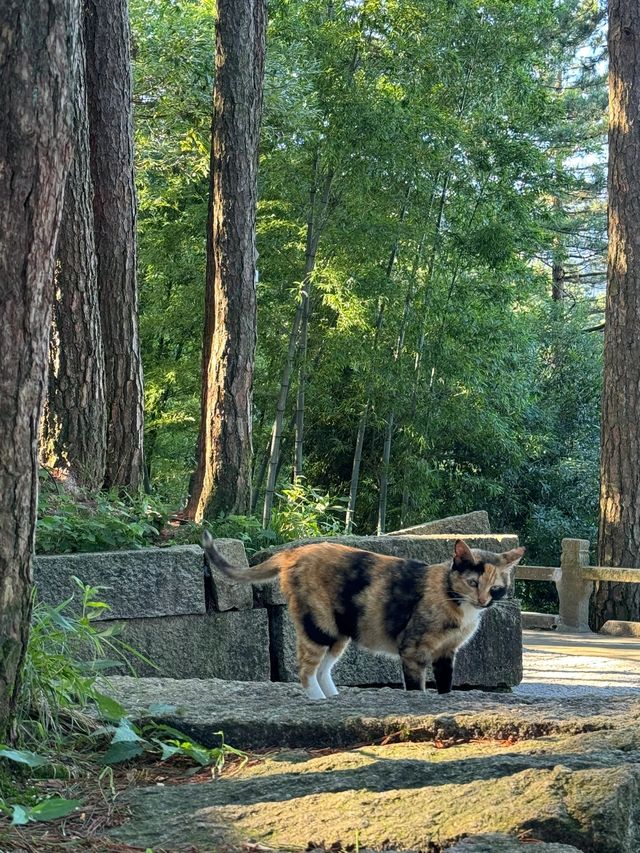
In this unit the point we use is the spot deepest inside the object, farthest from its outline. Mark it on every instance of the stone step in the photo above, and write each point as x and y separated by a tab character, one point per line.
580	791
255	715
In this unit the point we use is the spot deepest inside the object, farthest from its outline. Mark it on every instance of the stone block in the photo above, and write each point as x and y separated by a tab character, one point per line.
435	548
619	628
540	621
491	660
231	646
266	594
146	583
470	522
225	594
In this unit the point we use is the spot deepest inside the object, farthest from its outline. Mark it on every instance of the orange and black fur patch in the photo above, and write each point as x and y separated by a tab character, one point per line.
390	605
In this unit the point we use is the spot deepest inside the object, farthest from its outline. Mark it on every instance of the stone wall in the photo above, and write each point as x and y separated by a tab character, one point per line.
193	624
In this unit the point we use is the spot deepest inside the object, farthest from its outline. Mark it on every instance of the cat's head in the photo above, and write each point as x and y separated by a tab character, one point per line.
481	577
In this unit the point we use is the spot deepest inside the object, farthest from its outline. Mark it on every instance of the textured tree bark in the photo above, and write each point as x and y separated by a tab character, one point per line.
619	532
37	52
114	204
222	481
75	414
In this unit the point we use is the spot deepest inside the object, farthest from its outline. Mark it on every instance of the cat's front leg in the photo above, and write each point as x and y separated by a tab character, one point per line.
414	669
443	672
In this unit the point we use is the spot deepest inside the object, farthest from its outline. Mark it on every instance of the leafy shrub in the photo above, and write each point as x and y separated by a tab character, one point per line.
100	521
66	652
303	511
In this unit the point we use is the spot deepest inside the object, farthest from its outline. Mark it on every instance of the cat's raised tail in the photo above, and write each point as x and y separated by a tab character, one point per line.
262	572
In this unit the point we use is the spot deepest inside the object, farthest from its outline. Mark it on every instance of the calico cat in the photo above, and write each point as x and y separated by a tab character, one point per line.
386	604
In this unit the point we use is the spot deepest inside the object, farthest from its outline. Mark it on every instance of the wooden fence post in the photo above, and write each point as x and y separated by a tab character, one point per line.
574	591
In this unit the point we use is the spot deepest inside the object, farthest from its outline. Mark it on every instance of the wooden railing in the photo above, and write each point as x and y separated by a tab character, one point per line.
574	579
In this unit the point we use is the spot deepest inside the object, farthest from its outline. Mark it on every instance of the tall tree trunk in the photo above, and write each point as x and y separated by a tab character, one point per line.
222	480
619	533
417	367
304	338
316	221
38	43
417	372
390	421
364	416
362	424
75	412
111	139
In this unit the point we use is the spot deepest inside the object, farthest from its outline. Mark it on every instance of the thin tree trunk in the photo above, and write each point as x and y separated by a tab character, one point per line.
315	224
619	533
259	478
222	481
38	44
111	138
417	373
364	417
435	245
304	336
75	414
362	427
388	433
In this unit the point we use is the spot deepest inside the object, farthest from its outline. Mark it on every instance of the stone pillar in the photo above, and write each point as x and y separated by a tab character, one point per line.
574	591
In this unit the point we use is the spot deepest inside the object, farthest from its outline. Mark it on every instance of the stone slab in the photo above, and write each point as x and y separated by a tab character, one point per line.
618	628
226	595
470	522
232	645
539	621
145	583
431	549
500	843
491	660
581	792
267	714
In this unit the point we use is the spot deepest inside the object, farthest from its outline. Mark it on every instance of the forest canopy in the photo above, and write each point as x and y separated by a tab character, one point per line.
447	161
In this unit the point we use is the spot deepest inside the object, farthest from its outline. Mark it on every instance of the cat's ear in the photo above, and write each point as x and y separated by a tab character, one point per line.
462	553
513	557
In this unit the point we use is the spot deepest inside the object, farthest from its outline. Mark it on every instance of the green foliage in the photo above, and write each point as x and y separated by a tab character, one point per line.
130	740
60	706
66	653
467	150
302	512
95	522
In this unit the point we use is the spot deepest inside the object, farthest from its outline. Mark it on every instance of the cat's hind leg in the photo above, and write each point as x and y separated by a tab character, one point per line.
309	657
327	663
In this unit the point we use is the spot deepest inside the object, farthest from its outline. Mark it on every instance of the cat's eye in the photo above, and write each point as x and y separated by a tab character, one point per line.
472	582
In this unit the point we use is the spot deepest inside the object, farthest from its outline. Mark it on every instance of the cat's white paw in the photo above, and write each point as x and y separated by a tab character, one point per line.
327	686
313	690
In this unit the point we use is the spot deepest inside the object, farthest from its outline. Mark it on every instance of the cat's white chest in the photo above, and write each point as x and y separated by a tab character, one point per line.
470	619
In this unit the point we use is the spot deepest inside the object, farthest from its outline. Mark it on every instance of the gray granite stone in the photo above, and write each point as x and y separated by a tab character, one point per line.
540	621
470	522
576	792
232	645
619	628
266	714
500	843
435	548
145	583
226	595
